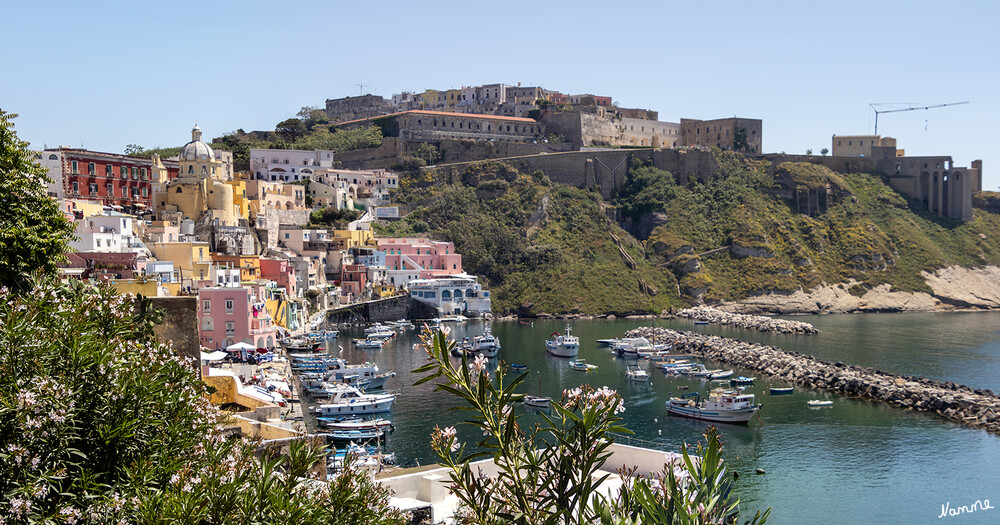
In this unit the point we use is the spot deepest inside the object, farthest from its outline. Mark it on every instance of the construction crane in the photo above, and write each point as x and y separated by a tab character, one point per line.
911	107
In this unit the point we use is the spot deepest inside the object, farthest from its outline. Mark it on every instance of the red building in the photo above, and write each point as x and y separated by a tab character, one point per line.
107	178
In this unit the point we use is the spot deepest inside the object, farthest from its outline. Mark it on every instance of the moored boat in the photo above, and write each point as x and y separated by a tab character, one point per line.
560	345
780	391
741	380
369	344
350	400
486	344
537	401
819	402
635	373
720	374
722	406
581	365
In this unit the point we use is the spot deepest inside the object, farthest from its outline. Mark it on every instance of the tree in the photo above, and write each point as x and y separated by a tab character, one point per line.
809	152
740	140
429	152
313	116
824	151
134	149
100	423
34	233
290	129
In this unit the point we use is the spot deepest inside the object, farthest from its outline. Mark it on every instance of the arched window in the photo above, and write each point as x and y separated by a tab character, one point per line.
53	157
458	294
470	293
445	295
178	190
204	170
190	170
206	324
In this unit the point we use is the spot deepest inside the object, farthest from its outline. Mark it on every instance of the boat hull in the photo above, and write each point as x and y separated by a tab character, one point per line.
366	407
739	416
563	350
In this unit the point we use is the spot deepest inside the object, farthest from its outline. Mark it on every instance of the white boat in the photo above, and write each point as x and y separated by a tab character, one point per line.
721	374
378	327
635	373
563	345
607	342
819	403
454	318
350	400
537	401
581	365
486	344
723	406
369	344
355	423
630	347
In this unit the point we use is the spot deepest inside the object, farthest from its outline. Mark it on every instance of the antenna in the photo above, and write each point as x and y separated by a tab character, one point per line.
910	107
361	88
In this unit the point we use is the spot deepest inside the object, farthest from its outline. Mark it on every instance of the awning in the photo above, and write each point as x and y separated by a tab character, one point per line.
214	356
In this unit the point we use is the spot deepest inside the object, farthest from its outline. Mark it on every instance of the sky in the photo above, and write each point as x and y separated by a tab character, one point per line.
102	75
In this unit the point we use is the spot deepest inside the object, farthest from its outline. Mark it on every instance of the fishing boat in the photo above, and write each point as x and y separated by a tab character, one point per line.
722	406
369	344
819	403
350	400
635	373
581	365
563	345
780	391
741	380
720	374
537	401
486	344
300	345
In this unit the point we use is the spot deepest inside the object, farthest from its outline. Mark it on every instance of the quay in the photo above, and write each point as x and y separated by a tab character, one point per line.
973	407
759	323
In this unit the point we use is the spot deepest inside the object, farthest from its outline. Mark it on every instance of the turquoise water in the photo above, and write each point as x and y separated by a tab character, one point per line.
854	462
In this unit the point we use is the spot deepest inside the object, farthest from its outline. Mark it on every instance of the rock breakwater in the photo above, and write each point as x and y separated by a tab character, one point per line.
972	407
749	322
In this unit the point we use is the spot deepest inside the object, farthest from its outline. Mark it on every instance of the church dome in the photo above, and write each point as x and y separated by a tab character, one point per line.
196	149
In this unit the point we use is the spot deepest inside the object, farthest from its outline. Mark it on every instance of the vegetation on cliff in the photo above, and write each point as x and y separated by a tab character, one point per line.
542	248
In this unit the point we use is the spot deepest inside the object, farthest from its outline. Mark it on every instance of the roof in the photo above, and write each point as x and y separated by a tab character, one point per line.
444	114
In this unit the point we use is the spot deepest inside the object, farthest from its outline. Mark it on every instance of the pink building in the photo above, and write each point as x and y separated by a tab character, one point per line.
418	258
280	271
234	315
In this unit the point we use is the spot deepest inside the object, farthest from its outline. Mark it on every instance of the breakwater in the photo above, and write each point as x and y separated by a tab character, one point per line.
759	323
973	407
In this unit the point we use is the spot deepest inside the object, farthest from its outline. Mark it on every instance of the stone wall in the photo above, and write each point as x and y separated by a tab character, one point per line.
180	324
381	310
394	149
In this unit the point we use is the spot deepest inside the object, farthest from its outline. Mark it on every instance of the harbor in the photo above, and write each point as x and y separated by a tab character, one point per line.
875	452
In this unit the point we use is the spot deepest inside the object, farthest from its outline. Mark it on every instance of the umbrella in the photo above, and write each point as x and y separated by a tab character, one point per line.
240	346
214	356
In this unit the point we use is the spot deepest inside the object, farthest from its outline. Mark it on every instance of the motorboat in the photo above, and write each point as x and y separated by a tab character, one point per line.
486	344
338	423
581	365
354	436
656	356
369	344
741	381
567	345
721	374
635	373
401	324
781	391
630	347
515	367
537	401
819	402
722	406
301	345
350	400
607	342
457	318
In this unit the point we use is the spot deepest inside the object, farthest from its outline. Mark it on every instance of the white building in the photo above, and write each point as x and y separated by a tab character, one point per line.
287	165
51	160
163	271
327	189
112	232
224	276
456	294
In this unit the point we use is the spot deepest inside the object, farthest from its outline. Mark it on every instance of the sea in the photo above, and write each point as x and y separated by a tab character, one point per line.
853	462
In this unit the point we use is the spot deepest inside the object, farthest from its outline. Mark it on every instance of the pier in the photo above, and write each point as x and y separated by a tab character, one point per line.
973	407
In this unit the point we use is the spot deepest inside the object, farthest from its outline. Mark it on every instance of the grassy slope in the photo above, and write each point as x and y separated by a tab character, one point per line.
570	263
867	225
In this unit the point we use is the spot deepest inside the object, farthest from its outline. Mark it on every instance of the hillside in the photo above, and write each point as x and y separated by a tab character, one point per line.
736	237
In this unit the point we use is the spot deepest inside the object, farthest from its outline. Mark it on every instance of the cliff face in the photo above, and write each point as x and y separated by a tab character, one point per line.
759	238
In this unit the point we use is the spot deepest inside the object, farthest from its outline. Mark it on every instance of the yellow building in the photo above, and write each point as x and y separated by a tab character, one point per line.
276	304
452	97
240	200
200	186
191	259
149	287
347	239
249	265
429	98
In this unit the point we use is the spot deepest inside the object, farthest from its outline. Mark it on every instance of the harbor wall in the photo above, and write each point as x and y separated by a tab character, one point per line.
973	407
381	310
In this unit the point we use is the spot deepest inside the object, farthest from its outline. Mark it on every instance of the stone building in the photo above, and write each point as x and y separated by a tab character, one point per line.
200	189
438	125
608	129
723	133
108	179
875	146
353	108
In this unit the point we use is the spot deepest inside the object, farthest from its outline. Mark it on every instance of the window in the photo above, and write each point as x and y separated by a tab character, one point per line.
144	192
108	170
206	306
111	190
90	169
76	187
93	188
206	324
142	173
230	328
229	306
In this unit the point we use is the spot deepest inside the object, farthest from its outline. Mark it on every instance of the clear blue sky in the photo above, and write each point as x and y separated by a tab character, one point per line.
104	75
